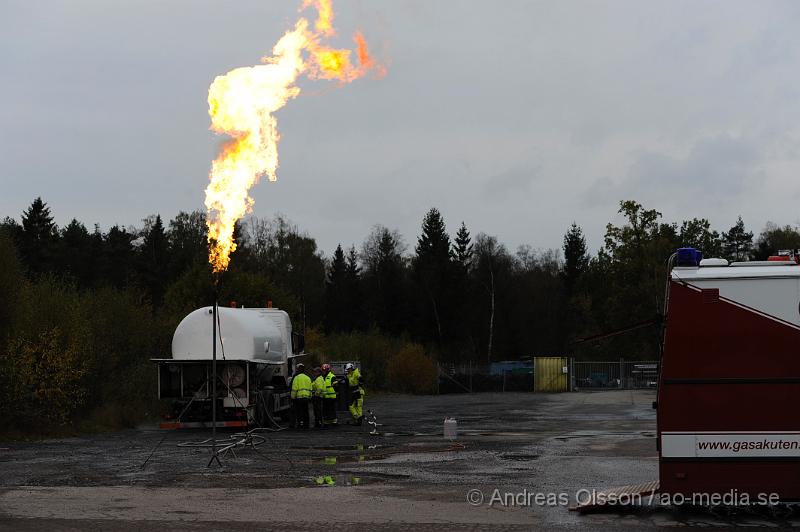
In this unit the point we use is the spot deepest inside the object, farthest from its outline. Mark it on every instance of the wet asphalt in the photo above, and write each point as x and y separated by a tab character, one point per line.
519	461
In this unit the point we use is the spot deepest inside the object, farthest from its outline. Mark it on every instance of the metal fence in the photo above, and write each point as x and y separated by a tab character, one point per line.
554	374
472	377
623	374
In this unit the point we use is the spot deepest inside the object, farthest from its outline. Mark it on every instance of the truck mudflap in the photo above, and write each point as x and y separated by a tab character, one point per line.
199	424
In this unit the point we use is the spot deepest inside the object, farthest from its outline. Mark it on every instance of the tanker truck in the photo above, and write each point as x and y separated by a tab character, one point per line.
256	353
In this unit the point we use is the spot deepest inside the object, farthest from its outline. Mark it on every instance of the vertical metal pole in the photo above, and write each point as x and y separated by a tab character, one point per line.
572	374
214	381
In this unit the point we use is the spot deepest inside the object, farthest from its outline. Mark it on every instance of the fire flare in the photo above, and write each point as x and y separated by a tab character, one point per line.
242	104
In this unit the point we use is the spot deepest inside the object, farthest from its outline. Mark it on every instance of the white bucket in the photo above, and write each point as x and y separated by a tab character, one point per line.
450	428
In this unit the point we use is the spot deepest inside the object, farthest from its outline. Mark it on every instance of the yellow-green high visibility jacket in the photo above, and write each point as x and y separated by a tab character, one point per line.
354	381
301	386
330	391
318	386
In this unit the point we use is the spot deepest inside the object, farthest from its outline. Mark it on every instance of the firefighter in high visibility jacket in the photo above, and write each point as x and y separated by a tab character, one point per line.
301	394
329	397
356	393
317	394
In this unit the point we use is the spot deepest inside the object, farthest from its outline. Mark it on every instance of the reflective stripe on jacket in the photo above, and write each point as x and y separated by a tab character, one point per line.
330	391
301	386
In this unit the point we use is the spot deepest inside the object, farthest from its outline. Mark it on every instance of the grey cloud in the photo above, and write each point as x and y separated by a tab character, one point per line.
512	181
716	169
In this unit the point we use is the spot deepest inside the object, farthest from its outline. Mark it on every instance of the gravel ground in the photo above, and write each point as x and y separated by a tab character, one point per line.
408	477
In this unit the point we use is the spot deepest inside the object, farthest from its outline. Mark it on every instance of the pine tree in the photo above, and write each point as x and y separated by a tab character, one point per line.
353	269
38	237
76	257
462	338
384	280
37	222
433	244
737	242
117	259
336	293
338	267
154	259
576	258
355	301
432	269
462	250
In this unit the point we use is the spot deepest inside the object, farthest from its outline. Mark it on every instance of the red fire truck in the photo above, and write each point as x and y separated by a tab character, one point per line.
728	416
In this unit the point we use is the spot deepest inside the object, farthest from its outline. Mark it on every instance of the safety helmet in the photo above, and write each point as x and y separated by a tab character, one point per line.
349	367
301	367
326	367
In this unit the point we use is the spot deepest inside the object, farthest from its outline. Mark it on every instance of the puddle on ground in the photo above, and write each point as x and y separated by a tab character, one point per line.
349	459
392	434
595	434
519	457
338	480
358	447
491	433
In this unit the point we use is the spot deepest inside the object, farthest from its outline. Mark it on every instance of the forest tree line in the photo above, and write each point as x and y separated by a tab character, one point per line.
85	308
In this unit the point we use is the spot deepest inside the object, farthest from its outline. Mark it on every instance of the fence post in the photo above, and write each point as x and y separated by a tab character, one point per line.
470	376
621	372
504	380
534	374
572	374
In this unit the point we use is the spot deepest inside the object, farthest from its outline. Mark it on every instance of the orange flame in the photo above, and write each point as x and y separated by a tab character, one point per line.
324	23
365	60
242	104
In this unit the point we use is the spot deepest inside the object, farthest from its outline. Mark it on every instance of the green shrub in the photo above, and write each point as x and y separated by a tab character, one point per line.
372	349
49	377
410	371
68	355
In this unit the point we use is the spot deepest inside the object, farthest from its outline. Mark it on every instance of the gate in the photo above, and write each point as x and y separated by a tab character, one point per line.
550	374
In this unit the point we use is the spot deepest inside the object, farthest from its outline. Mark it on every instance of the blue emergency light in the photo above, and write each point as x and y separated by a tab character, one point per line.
689	257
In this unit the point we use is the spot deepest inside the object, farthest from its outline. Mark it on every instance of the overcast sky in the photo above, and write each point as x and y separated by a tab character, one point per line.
515	117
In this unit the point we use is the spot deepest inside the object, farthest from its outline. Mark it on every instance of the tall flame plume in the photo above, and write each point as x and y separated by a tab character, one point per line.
242	104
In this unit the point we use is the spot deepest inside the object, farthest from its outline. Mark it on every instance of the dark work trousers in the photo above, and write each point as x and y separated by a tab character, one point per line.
316	402
329	411
301	413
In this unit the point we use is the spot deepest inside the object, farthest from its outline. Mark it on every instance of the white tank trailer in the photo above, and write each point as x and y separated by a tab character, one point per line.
256	351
